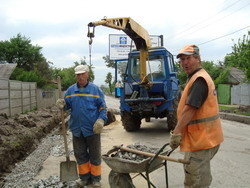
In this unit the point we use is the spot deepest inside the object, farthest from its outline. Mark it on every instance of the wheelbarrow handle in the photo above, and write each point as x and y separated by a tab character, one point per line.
152	155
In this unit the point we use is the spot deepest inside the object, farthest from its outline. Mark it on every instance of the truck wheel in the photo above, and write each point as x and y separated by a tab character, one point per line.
172	116
171	120
130	121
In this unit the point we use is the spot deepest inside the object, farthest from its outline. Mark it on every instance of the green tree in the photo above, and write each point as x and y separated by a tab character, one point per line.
121	65
240	56
31	64
19	50
109	63
181	75
104	89
213	70
31	76
109	82
223	77
68	74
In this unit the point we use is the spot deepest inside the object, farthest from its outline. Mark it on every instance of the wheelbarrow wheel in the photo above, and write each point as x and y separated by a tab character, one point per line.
120	180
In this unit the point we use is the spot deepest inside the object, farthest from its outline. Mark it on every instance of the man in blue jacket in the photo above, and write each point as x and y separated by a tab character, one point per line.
87	117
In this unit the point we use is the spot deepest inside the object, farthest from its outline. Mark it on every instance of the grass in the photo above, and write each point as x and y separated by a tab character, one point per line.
244	113
233	109
227	107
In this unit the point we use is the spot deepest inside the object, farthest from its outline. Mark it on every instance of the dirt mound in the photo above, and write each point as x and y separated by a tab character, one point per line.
20	135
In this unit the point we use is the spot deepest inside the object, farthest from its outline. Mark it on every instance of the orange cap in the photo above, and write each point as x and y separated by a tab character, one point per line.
189	50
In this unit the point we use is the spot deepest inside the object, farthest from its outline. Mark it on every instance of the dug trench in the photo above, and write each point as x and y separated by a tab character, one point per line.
21	134
20	139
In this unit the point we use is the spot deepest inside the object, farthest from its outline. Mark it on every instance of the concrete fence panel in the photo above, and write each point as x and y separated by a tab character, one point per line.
46	97
4	96
240	94
26	97
15	89
33	99
19	97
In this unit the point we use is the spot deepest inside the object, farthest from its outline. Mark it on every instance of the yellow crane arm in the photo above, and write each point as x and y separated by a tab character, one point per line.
135	31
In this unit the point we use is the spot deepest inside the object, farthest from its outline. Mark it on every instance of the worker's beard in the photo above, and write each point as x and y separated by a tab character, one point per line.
82	81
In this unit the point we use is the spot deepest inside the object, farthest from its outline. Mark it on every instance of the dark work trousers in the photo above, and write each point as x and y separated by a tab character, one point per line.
87	152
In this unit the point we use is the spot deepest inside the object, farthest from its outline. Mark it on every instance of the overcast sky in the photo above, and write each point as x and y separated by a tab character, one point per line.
60	26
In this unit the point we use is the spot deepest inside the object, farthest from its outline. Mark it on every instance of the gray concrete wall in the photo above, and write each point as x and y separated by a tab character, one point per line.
240	94
4	96
46	97
17	97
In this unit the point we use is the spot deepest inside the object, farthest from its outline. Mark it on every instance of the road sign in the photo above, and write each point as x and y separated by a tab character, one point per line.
120	45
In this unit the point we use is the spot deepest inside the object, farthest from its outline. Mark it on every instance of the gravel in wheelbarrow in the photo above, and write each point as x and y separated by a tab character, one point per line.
126	162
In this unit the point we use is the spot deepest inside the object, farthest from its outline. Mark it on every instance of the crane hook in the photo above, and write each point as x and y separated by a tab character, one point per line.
91	34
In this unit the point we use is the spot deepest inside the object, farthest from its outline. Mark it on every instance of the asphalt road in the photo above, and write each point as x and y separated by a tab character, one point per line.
230	167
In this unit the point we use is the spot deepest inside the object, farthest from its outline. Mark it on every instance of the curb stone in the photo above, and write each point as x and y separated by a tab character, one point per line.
235	117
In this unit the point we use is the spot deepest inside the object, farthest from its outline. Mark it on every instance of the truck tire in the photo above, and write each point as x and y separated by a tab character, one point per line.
172	116
171	120
130	122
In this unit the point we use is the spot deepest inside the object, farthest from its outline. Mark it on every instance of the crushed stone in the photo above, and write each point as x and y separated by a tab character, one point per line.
24	172
135	157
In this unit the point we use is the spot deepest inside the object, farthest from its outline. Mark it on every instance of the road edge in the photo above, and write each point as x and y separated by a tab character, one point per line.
235	117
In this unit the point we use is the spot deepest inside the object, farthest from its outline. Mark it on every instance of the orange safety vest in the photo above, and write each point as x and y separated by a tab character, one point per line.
204	131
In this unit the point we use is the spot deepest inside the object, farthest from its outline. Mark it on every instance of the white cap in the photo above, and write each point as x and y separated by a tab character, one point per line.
81	69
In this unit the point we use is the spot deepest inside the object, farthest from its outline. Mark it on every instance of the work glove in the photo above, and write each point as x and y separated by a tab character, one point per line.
98	126
60	103
175	140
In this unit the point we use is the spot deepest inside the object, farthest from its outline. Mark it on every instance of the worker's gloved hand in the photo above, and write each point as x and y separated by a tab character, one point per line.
98	126
60	103
175	140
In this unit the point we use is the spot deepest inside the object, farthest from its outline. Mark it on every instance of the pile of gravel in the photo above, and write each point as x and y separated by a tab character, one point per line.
53	182
135	157
24	172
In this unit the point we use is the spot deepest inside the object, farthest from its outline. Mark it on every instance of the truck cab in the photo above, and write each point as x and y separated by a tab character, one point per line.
150	84
154	98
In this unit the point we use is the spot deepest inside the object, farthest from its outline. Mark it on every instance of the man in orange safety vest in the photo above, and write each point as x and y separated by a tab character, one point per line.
198	130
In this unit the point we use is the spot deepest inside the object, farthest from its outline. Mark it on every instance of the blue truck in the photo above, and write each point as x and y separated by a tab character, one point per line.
150	88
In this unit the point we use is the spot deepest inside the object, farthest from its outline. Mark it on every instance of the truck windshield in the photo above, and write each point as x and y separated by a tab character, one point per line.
154	67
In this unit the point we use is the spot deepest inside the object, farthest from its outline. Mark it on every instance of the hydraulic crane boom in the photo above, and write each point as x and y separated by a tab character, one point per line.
134	30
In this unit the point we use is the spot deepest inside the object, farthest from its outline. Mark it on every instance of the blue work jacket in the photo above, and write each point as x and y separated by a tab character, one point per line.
86	105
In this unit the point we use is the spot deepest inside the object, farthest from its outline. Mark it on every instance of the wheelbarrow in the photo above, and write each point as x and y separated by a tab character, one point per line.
120	168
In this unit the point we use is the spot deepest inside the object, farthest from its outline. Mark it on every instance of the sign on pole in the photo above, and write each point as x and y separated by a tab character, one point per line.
120	45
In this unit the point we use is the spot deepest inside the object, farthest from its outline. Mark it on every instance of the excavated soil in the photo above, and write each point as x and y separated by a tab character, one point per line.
21	134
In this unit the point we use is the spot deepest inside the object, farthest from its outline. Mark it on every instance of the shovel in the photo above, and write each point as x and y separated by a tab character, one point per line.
68	169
